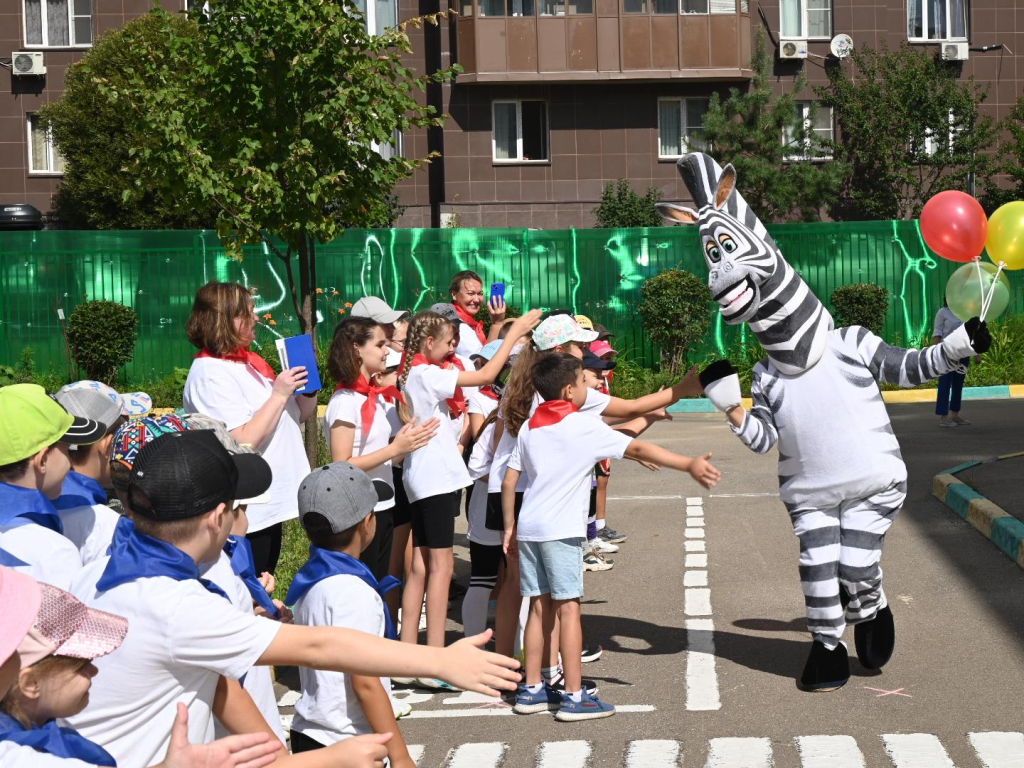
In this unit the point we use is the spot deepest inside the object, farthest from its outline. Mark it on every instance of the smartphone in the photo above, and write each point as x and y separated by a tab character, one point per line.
498	289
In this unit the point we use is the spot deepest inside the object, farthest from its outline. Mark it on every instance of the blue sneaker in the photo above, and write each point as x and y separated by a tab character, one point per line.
588	708
544	700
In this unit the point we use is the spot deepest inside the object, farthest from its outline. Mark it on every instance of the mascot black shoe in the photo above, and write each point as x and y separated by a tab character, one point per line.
875	640
825	670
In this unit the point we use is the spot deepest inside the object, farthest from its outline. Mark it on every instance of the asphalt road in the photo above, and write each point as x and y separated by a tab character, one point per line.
958	602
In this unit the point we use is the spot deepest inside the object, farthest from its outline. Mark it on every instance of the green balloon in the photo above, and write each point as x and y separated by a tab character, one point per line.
964	294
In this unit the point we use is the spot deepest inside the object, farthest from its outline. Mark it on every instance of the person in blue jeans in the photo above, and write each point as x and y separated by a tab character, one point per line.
951	385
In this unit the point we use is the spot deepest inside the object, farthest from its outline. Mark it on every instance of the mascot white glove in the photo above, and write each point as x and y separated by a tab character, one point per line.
721	385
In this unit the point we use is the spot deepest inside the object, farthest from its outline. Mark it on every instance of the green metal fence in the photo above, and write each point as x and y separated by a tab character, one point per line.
593	272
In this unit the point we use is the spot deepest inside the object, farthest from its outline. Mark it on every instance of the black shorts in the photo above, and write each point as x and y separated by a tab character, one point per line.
400	513
484	563
601	472
592	514
495	519
433	520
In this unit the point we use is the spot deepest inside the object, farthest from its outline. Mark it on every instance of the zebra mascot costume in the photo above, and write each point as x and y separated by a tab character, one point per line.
841	475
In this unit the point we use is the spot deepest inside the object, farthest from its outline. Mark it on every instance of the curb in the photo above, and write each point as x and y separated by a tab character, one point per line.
992	521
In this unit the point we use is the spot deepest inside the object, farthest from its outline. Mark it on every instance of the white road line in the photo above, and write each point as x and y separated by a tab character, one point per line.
563	754
701	677
416	752
829	752
652	753
485	755
999	750
694	533
694	546
433	714
739	753
469	698
695	579
697	561
694	501
289	698
697	602
695	511
916	750
742	495
695	522
671	497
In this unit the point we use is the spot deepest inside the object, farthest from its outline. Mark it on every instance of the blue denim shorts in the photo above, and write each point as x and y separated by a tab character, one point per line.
551	567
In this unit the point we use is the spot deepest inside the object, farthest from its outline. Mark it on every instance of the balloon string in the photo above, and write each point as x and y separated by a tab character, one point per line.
991	291
981	285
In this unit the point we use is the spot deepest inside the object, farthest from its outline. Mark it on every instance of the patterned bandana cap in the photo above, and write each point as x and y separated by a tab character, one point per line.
559	329
134	435
130	403
65	626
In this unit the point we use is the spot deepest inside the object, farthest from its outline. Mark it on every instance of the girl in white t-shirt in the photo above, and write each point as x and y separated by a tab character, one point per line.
357	427
436	474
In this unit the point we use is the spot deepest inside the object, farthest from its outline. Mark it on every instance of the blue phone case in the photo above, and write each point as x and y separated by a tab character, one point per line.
498	289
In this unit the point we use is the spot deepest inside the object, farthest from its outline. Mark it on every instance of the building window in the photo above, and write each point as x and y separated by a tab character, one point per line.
58	23
723	6
803	19
379	14
43	157
634	6
933	145
581	7
681	126
520	8
694	6
552	7
395	148
937	19
818	125
520	133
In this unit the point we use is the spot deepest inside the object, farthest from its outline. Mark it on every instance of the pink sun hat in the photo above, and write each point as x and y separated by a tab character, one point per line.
20	597
602	348
65	626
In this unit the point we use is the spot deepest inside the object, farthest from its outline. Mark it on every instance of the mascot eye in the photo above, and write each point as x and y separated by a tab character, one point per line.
728	243
712	251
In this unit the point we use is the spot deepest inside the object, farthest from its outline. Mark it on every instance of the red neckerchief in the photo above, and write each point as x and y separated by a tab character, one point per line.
488	392
244	356
472	322
551	412
369	408
456	403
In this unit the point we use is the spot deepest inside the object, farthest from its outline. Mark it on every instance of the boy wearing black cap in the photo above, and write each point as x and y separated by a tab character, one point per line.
35	437
184	636
334	588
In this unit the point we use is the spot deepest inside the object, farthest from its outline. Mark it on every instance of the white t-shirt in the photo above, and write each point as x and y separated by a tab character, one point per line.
180	639
51	558
469	343
559	460
90	528
258	681
16	756
346	405
232	393
328	710
946	322
437	467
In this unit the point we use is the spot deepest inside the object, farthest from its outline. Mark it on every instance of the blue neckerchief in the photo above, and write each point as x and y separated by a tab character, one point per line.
323	563
134	555
54	740
6	558
240	552
79	491
22	506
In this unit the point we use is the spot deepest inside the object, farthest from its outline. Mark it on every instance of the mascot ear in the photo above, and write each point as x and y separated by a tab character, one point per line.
726	185
677	214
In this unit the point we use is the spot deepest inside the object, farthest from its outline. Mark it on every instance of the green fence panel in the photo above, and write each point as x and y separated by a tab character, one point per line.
593	272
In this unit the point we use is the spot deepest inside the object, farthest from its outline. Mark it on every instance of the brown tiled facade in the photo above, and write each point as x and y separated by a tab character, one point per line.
599	67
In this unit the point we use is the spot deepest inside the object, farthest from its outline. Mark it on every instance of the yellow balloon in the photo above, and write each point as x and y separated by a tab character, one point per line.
1006	235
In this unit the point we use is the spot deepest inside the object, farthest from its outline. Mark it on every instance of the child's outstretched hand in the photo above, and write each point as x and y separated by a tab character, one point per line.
466	666
523	325
251	750
704	472
367	751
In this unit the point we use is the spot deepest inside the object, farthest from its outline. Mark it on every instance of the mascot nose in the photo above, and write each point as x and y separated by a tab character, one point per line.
728	267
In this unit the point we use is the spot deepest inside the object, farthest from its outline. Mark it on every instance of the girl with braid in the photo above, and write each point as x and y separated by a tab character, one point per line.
436	473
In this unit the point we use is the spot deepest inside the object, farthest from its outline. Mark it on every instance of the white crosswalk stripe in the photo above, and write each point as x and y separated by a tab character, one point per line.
829	752
476	755
652	753
916	750
739	753
563	754
999	750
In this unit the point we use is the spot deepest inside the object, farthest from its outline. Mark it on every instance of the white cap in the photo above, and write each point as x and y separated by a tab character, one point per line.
376	309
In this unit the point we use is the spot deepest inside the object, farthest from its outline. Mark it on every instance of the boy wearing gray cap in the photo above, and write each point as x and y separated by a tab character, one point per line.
334	588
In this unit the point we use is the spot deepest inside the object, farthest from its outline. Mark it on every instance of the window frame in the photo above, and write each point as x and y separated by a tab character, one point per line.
805	106
939	40
684	138
805	23
44	28
51	150
518	160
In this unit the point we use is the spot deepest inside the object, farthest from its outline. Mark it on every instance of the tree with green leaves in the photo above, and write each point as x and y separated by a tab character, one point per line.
783	164
622	207
95	135
675	307
1011	160
909	129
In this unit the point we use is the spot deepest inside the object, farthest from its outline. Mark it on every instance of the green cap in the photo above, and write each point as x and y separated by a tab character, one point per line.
31	420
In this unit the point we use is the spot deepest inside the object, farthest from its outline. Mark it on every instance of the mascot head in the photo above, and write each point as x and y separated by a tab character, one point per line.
747	274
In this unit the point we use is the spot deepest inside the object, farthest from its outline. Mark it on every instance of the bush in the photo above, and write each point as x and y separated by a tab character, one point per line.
622	207
863	304
102	338
674	307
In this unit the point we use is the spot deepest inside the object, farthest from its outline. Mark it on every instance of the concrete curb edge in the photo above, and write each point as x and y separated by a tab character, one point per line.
992	521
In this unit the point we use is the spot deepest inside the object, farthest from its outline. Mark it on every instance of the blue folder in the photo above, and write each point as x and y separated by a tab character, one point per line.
296	351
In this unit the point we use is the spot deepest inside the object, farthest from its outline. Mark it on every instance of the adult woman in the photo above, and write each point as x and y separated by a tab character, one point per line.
238	387
467	290
951	385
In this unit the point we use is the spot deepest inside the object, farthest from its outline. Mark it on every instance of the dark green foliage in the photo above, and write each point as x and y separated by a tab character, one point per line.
166	392
864	304
675	306
1011	160
887	104
779	182
622	207
381	213
102	338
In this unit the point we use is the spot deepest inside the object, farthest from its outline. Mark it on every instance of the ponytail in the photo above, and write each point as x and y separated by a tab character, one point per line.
422	327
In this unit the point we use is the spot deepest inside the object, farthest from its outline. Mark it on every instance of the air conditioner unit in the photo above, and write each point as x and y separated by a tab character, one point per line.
955	52
27	63
793	49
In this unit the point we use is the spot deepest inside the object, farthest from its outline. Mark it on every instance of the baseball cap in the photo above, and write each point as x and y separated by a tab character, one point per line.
20	598
393	360
65	626
447	311
341	494
129	403
186	474
488	350
31	420
585	322
232	446
376	309
558	329
595	363
601	348
134	435
602	332
89	404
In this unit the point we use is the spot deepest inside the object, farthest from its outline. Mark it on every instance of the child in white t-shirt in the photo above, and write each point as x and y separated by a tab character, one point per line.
436	474
557	450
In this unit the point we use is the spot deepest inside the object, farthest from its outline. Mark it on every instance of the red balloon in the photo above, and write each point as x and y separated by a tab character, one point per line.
955	226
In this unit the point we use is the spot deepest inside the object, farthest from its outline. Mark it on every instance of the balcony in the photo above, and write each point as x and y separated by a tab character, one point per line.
518	41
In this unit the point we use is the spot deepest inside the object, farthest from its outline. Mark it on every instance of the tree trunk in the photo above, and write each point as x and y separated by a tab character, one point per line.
307	324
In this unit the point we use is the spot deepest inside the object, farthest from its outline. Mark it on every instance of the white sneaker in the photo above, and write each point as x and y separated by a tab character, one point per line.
947	423
604	547
401	709
961	422
592	561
